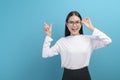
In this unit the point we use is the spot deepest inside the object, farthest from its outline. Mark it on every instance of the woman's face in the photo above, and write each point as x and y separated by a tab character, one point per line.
74	25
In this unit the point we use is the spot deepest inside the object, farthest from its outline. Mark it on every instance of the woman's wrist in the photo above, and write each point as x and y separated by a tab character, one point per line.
91	28
49	35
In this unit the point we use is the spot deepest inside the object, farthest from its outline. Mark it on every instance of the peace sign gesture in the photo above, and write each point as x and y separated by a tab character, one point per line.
48	29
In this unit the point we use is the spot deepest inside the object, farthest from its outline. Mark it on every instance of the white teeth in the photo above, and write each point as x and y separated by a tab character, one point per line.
75	29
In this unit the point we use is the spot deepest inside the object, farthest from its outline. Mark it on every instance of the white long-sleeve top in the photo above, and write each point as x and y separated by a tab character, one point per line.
75	51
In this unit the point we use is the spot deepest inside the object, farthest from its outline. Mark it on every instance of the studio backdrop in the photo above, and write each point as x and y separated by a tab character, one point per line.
22	36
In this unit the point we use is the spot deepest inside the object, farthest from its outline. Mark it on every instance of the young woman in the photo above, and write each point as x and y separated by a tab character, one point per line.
75	48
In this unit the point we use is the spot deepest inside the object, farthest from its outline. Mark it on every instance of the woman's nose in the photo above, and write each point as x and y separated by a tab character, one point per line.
74	25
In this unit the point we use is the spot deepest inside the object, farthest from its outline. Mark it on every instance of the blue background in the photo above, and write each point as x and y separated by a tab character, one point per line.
22	36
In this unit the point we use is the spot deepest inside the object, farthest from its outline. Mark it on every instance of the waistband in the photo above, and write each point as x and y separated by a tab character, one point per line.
84	68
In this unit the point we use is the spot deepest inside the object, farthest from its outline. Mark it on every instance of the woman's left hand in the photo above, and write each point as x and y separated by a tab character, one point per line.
88	24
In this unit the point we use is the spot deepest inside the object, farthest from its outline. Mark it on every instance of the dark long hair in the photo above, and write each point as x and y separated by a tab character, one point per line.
67	32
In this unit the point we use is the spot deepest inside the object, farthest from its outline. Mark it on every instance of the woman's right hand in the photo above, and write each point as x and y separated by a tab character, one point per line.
48	29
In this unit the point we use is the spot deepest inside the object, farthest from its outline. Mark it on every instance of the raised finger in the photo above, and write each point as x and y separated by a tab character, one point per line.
46	24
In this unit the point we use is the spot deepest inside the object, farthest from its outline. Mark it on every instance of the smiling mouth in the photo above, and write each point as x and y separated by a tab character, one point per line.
74	29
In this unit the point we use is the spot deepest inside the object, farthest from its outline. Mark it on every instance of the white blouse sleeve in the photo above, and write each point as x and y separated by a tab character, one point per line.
100	39
47	50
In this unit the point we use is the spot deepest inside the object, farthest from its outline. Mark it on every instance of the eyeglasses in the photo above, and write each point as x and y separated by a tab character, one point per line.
72	23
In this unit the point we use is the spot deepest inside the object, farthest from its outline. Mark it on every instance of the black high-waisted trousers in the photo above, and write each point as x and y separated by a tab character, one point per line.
79	74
